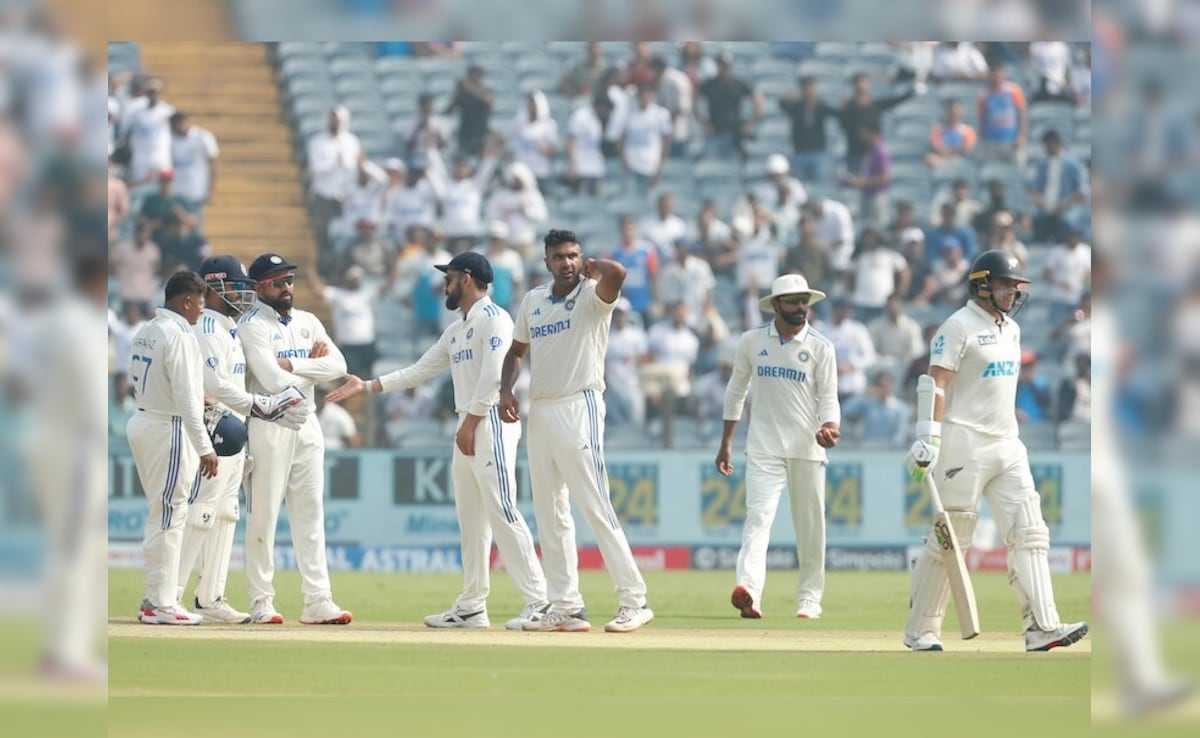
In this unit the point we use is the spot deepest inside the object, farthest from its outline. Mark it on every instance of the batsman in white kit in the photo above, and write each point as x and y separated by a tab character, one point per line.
790	371
286	347
168	438
967	435
566	322
485	449
214	511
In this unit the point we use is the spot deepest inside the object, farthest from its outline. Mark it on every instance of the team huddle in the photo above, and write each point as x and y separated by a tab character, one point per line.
224	375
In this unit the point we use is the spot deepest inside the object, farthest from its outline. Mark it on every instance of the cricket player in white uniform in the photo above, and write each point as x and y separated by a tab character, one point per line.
213	513
168	438
567	324
790	371
285	347
485	450
968	437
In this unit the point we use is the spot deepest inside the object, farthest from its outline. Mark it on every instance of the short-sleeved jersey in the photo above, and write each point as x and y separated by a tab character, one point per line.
568	340
165	374
267	337
793	389
224	362
473	349
985	355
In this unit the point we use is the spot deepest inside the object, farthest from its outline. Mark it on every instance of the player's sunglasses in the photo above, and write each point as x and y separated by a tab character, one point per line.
793	300
280	282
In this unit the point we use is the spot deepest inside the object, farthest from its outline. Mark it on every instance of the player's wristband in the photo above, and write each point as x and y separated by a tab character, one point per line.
929	428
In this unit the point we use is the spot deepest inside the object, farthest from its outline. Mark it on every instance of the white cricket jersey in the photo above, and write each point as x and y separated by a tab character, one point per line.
985	355
165	373
568	339
267	337
224	362
793	389
473	349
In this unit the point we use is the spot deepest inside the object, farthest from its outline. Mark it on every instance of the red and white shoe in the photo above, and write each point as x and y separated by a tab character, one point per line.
324	612
744	601
176	615
146	613
263	612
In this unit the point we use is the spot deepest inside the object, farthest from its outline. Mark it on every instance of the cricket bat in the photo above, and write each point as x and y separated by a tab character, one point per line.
956	566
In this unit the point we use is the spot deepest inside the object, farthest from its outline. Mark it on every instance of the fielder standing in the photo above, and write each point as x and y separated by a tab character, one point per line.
567	321
970	394
485	450
791	372
168	438
284	347
213	513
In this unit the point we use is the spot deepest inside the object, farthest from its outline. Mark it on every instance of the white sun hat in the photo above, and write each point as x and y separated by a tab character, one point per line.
790	284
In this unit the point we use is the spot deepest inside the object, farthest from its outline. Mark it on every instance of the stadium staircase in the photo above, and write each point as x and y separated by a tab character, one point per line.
259	202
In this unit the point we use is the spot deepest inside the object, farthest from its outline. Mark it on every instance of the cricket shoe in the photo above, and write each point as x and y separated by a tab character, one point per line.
263	612
923	642
1063	635
324	612
1142	702
455	618
744	601
222	612
175	615
146	613
629	619
809	610
531	614
562	622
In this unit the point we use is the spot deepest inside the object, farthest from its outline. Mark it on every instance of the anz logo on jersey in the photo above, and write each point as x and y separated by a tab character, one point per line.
549	329
461	356
292	354
1000	369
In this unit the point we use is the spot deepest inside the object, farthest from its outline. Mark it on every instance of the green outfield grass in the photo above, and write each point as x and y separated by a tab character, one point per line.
698	670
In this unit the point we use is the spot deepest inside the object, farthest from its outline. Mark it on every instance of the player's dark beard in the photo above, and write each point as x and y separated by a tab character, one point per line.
282	304
454	298
794	317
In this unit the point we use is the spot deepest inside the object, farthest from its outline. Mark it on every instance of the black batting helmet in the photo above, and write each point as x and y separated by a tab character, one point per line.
996	264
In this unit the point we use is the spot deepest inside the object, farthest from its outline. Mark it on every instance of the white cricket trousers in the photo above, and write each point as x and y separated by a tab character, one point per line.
288	464
766	479
566	454
208	536
971	465
485	499
167	466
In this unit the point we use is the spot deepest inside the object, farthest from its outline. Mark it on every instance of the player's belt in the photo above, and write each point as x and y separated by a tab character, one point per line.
156	414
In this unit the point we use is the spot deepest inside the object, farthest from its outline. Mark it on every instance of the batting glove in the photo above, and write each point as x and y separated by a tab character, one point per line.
922	455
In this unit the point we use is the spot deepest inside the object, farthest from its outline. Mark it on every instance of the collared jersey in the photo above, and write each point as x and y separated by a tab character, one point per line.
793	390
985	356
165	374
267	337
568	339
224	362
473	349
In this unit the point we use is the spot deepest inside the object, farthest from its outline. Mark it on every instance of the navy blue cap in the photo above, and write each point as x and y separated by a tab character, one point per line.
223	268
268	264
470	262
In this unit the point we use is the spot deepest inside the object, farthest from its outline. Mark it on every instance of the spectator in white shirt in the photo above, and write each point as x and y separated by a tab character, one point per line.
427	132
1068	272
461	198
760	258
521	207
947	284
627	351
713	239
958	61
853	347
673	351
353	314
965	206
333	157
686	279
674	95
664	228
148	131
585	137
782	194
1004	237
834	230
878	272
533	135
364	199
897	337
409	200
1051	59
645	140
194	157
337	424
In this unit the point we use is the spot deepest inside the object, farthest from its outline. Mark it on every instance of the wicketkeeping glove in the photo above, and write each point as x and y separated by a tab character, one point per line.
273	407
922	455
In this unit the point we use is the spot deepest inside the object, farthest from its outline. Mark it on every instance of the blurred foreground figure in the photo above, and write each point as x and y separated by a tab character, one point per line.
1121	574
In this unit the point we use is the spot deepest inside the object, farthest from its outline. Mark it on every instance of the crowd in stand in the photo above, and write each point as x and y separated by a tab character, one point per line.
461	179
